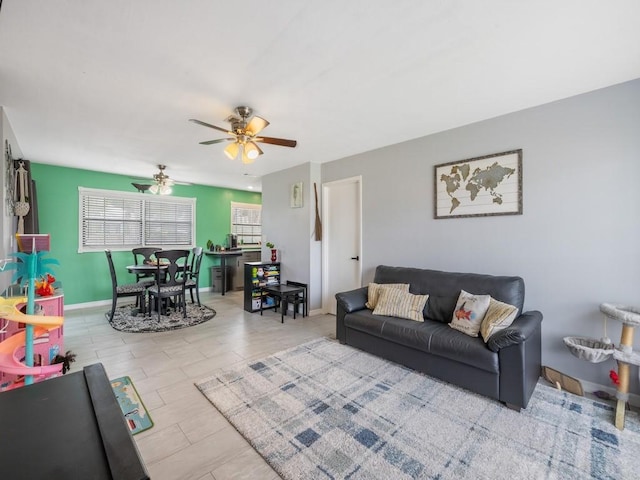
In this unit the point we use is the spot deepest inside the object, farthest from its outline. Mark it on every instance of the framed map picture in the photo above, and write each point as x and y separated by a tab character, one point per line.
480	186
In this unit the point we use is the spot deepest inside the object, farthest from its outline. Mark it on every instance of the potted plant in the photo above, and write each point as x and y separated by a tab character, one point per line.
210	245
274	252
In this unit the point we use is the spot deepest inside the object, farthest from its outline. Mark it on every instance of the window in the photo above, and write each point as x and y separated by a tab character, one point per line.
246	223
122	220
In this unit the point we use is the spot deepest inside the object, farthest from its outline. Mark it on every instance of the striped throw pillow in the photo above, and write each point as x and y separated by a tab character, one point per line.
498	317
374	292
394	302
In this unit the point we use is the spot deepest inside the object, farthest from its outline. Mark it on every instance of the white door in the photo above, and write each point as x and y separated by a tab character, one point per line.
341	245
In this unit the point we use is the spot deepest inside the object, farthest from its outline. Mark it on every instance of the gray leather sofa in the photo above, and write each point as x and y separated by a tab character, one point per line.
505	368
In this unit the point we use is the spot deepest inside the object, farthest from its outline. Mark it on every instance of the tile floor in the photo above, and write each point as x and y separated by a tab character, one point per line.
190	438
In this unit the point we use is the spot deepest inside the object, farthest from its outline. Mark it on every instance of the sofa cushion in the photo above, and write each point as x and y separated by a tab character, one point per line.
394	302
428	336
374	290
469	313
498	317
454	345
443	288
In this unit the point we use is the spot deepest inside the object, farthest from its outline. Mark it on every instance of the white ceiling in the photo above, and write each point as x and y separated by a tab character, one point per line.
110	85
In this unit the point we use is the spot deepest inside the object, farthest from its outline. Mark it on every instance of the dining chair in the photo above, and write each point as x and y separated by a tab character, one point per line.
173	274
142	255
193	273
137	290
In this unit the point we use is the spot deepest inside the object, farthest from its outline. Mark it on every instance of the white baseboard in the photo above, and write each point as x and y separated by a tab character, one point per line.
590	387
78	306
102	303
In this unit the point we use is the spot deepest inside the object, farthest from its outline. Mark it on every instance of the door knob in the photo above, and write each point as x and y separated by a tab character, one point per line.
357	257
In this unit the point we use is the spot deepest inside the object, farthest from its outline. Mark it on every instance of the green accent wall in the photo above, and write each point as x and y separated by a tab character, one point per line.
85	276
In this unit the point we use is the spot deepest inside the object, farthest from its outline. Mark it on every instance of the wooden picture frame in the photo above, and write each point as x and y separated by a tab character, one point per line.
479	187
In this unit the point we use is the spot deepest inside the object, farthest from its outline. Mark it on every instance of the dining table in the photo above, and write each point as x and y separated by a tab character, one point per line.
146	268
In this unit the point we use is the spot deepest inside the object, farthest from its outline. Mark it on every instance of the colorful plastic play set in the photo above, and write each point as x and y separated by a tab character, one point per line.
30	344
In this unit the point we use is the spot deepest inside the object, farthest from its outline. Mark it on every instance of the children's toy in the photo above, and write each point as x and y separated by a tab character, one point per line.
9	348
30	266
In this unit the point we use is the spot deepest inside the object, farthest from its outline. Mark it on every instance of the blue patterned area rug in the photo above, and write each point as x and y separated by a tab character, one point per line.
326	411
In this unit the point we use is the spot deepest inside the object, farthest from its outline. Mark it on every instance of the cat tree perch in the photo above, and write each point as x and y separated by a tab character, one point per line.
624	354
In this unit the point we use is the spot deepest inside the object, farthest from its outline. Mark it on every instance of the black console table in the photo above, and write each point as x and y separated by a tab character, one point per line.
68	427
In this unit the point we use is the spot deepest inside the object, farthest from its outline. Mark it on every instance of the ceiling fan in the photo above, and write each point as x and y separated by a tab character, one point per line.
162	185
244	135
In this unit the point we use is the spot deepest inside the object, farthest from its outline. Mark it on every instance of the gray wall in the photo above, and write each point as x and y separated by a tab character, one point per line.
291	230
576	244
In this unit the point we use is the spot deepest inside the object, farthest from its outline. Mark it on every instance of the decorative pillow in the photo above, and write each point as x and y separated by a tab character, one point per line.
394	302
469	313
498	317
374	292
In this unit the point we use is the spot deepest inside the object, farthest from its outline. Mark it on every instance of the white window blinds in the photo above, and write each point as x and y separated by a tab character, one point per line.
168	223
122	220
246	223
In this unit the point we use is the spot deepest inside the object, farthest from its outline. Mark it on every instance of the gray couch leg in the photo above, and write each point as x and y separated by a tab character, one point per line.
512	406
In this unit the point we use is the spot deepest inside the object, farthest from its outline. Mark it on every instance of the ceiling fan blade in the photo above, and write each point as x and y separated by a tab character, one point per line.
283	142
225	130
255	125
220	140
141	188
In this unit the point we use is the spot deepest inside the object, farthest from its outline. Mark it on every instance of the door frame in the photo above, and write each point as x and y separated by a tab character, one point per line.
326	247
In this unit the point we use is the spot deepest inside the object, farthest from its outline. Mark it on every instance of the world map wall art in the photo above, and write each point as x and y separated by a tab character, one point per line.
480	186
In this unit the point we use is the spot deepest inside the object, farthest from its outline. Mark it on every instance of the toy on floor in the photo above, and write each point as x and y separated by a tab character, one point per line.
66	360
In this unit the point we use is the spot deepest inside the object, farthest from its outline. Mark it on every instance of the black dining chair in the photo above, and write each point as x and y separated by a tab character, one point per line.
142	255
137	290
193	273
171	279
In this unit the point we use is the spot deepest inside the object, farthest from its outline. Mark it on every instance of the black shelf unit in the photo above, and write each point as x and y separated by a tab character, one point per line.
257	275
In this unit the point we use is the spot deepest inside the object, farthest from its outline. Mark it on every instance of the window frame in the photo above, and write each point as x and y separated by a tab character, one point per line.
84	192
234	229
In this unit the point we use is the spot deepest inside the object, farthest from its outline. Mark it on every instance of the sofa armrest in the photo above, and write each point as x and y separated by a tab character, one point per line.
521	329
348	302
353	300
520	358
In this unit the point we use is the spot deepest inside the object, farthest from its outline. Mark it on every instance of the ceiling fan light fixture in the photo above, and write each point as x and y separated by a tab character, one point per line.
245	158
154	189
232	150
252	151
165	190
255	125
